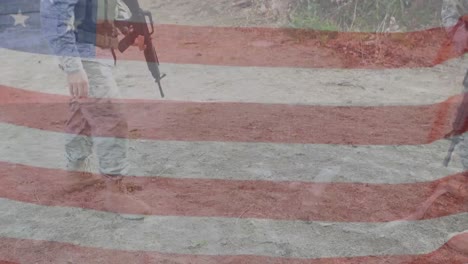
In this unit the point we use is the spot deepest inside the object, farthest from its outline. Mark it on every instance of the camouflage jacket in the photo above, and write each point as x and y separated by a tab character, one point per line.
60	28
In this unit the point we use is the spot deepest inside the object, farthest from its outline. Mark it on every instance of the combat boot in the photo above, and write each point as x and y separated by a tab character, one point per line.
79	177
119	200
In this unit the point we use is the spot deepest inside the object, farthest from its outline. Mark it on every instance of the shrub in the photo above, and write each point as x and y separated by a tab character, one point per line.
366	15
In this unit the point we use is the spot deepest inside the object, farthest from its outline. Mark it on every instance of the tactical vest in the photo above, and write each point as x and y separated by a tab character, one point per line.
94	23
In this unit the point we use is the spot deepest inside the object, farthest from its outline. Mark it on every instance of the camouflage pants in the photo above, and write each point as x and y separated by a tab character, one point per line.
97	122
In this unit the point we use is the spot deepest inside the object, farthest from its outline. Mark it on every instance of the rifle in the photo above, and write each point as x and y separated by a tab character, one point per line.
139	27
459	125
453	144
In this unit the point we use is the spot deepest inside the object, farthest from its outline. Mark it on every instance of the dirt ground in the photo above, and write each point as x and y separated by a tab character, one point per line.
209	13
332	86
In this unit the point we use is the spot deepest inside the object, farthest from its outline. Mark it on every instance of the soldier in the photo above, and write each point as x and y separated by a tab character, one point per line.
454	20
75	31
455	24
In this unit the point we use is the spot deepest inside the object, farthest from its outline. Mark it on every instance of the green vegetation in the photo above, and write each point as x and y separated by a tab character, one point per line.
366	15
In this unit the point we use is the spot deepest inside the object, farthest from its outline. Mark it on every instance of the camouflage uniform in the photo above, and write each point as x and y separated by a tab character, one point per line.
97	115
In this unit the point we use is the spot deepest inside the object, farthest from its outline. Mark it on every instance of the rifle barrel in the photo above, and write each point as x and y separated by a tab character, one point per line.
448	158
160	89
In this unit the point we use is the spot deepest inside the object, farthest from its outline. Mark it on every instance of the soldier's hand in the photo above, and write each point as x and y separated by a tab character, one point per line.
78	84
140	42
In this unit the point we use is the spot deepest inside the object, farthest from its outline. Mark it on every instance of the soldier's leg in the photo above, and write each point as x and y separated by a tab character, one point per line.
107	123
78	147
109	130
111	148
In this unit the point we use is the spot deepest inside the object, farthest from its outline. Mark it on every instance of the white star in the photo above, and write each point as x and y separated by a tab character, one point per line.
20	19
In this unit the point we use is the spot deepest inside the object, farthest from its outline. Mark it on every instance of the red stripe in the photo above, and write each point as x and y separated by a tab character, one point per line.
30	251
343	202
245	122
287	47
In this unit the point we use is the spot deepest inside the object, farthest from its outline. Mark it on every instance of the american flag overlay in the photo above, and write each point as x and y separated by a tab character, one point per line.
273	145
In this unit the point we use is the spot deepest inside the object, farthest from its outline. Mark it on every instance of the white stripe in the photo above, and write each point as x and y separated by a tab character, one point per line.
251	84
246	161
224	236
